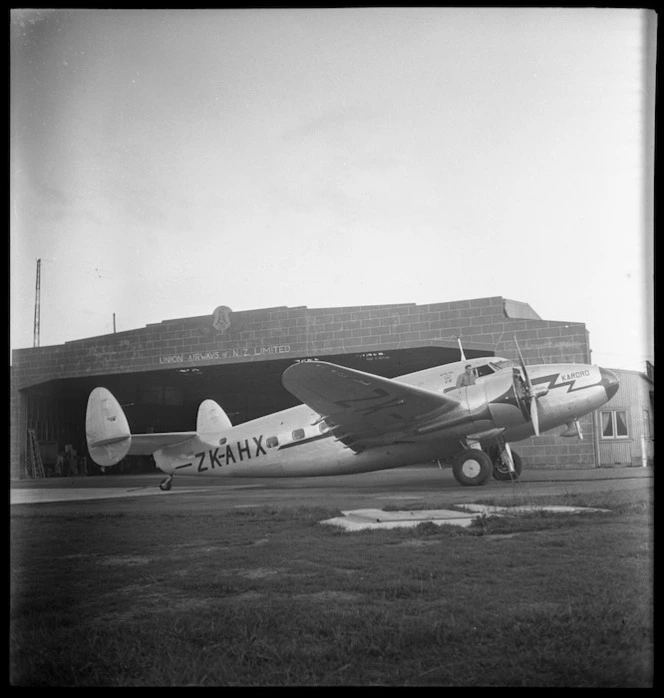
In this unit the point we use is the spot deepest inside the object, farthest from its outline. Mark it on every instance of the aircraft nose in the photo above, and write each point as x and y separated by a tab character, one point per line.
609	381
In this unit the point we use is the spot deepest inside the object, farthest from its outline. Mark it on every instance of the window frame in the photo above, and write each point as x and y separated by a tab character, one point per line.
487	370
614	436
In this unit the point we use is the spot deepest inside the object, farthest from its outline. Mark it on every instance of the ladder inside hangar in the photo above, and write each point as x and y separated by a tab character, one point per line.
36	467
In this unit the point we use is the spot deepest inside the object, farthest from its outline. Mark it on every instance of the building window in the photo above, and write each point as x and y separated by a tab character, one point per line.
298	434
272	441
614	424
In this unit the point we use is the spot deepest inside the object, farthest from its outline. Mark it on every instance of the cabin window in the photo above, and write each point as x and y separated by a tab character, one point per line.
298	434
614	424
323	427
222	441
272	441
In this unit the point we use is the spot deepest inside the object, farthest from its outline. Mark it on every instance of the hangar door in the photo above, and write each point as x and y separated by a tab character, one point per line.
167	399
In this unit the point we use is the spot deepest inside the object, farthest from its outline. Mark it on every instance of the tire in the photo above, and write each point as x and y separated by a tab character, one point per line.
501	471
472	467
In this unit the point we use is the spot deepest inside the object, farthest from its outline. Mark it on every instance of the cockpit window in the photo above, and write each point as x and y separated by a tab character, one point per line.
484	370
504	363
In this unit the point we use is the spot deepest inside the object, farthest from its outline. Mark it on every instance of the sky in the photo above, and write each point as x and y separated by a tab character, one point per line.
166	162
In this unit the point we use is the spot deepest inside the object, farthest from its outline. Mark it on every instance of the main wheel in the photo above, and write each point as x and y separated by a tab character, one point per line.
501	470
165	485
472	467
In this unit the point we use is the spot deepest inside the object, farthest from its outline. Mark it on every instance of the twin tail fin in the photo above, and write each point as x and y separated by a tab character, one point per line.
110	439
106	428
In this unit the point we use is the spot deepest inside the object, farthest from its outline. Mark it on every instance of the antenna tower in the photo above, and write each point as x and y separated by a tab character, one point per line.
37	295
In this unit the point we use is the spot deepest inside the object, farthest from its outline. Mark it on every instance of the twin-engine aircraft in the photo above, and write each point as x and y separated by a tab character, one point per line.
356	422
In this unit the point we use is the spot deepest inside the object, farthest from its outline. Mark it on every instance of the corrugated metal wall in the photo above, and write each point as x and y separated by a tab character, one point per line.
615	453
633	397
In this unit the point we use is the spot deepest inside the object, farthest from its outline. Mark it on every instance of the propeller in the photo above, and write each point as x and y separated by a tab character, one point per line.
531	393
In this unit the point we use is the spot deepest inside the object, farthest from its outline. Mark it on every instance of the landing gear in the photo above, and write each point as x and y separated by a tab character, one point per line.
165	485
501	469
472	467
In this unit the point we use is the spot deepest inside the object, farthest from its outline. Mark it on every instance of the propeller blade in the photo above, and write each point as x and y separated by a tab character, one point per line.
534	415
523	366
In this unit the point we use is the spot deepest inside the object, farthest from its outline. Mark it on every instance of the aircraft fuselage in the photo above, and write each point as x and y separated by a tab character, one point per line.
295	442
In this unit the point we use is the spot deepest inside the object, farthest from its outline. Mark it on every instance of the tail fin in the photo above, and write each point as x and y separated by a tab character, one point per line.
211	418
106	428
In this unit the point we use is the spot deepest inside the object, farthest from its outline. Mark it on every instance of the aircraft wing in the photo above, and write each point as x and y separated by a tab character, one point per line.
362	409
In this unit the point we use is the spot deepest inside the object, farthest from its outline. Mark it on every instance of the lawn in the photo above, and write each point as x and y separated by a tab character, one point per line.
269	596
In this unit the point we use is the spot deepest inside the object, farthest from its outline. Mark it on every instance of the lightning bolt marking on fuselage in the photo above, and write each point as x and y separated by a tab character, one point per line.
551	383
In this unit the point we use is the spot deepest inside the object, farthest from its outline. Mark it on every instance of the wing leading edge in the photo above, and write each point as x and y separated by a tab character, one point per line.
360	408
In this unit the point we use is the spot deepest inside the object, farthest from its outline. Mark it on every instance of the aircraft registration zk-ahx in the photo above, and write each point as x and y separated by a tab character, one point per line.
356	422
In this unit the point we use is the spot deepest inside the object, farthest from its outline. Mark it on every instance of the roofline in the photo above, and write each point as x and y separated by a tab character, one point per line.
643	374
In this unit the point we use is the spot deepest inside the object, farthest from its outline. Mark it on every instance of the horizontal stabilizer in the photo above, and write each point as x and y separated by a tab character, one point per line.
147	444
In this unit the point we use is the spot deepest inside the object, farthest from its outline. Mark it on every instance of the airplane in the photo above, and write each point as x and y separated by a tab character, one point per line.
355	422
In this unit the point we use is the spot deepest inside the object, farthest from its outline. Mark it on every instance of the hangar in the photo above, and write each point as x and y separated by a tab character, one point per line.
160	373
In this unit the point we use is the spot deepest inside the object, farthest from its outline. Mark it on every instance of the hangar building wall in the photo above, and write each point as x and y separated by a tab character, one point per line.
42	378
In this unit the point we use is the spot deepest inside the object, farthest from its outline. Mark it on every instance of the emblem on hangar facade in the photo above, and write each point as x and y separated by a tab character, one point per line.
221	318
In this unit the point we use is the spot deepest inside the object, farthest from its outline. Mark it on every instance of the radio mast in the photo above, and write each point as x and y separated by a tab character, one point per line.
37	313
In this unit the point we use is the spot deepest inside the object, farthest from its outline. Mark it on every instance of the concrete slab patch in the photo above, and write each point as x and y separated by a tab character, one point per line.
361	519
529	509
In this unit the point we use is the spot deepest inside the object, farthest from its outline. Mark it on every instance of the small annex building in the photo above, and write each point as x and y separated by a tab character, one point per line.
160	373
625	424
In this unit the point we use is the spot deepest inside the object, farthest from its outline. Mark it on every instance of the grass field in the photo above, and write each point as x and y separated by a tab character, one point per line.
269	596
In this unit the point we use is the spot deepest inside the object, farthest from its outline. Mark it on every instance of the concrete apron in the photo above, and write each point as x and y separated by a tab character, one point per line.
362	519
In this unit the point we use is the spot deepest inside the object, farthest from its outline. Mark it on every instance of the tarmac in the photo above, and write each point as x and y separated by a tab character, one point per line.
413	484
